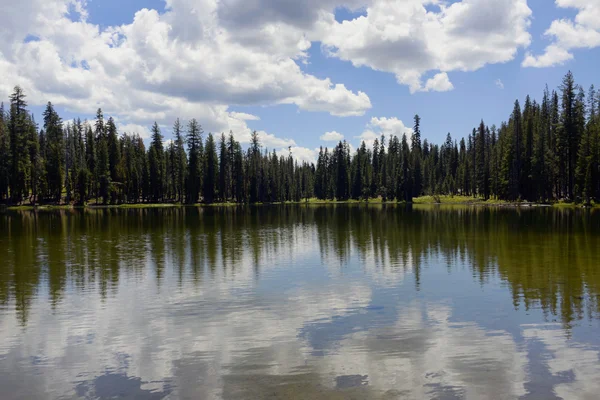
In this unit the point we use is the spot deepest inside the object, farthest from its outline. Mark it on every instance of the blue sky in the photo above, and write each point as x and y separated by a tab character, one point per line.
274	66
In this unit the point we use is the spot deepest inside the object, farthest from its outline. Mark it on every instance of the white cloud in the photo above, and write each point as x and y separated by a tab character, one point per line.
499	83
567	357
332	136
439	83
271	141
404	38
390	126
143	131
383	126
153	69
553	55
301	154
569	34
244	116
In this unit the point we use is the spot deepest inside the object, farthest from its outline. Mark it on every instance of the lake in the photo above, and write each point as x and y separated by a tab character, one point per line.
300	302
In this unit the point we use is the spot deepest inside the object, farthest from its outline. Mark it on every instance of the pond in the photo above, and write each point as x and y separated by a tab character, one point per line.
300	302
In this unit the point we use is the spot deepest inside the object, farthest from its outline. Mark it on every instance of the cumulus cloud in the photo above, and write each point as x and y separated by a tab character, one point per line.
569	34
565	357
141	130
383	126
332	136
302	154
408	40
197	58
154	69
439	83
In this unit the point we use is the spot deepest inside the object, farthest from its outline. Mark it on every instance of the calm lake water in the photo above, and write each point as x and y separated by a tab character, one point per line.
300	302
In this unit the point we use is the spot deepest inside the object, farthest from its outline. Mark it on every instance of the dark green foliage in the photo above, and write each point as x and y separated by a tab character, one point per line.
114	151
225	173
211	170
254	168
156	163
545	151
5	167
417	177
180	161
19	123
196	156
102	167
482	161
54	152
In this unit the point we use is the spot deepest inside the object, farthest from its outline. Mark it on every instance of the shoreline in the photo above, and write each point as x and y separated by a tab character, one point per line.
418	201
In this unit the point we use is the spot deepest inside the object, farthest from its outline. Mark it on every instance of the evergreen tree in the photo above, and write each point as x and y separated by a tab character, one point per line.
18	126
5	167
568	141
156	165
224	188
546	151
341	162
320	173
180	164
91	161
55	155
114	151
211	168
237	169
515	153
102	170
254	160
482	165
37	168
417	186
405	191
195	168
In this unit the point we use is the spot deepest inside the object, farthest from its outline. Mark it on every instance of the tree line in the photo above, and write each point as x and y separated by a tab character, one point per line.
546	151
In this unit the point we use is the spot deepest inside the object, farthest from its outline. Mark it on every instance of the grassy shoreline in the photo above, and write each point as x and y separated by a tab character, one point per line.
423	200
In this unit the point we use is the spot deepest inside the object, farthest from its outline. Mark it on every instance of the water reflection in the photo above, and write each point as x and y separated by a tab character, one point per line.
300	302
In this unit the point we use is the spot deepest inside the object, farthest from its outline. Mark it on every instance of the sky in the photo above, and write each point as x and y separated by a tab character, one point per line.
303	74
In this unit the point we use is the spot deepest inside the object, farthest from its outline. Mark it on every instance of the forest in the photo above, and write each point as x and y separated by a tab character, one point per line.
545	152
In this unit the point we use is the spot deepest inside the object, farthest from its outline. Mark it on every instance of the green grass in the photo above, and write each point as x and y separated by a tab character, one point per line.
422	200
446	200
139	205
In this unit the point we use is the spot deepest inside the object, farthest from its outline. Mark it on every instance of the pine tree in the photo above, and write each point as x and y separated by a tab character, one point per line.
55	155
320	173
581	135
528	129
156	165
211	169
405	191
91	162
18	124
237	169
36	162
417	180
224	170
102	171
180	165
539	162
254	159
5	167
341	164
568	134
195	168
481	162
516	154
114	151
